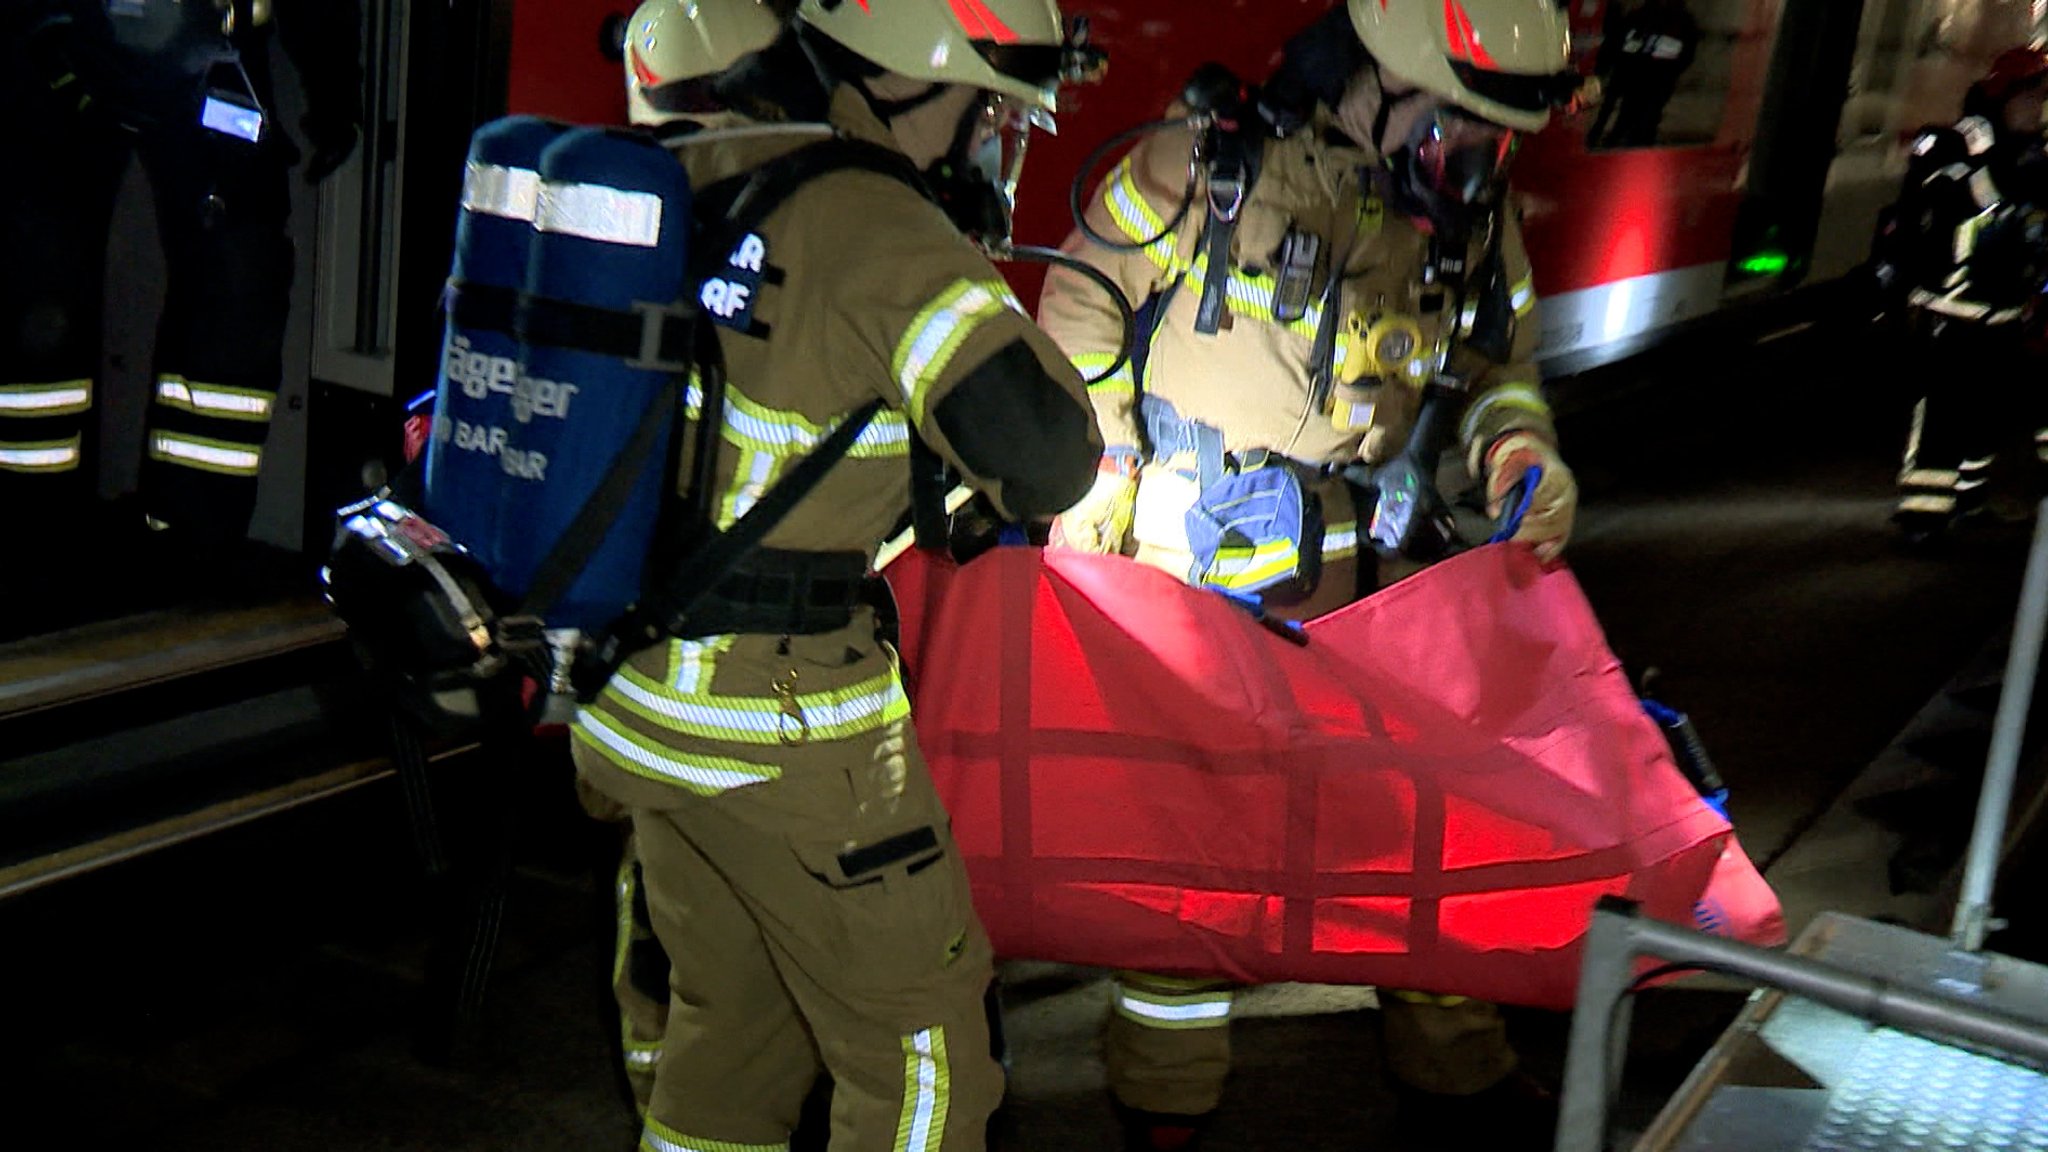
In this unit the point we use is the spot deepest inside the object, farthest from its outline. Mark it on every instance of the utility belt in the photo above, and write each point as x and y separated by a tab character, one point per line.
779	592
1256	522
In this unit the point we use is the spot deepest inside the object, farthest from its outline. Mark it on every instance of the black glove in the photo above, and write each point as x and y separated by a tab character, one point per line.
333	139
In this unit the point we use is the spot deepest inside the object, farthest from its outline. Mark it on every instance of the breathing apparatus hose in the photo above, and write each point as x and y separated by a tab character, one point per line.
1127	343
1077	193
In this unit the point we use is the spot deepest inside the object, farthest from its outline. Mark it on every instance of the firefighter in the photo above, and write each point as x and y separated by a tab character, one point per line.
1965	255
1340	232
1639	65
798	867
186	87
674	52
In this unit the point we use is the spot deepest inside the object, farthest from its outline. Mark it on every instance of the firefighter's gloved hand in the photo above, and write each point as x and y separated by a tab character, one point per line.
1101	522
1548	523
333	138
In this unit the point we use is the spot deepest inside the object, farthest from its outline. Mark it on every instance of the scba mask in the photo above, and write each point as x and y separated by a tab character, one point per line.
976	180
1450	168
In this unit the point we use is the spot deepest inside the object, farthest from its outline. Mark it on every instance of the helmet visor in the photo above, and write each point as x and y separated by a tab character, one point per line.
1462	159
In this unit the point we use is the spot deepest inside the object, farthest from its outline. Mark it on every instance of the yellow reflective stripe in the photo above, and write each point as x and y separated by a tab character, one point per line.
622	888
1092	364
659	1137
205	453
837	714
1138	222
1522	297
690	663
1927	504
1174	1012
61	398
1246	568
39	455
778	432
927	1091
217	400
1521	396
634	753
1252	297
937	332
1340	540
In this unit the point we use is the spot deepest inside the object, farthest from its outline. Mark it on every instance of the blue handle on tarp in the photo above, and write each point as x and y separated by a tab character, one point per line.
1523	495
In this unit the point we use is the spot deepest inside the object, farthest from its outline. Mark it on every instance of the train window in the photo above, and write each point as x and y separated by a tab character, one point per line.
1664	70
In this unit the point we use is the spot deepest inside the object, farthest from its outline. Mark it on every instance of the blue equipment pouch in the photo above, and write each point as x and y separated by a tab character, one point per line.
1257	530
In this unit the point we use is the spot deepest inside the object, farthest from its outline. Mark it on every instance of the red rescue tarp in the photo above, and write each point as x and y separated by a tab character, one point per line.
1430	795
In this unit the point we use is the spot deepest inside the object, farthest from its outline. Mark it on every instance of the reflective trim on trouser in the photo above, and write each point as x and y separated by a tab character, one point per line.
219	401
927	1091
1160	1064
793	953
39	455
659	1137
1449	1045
639	982
59	398
222	457
1153	1009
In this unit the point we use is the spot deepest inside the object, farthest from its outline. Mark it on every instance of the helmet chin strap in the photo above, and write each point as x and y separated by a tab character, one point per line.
887	110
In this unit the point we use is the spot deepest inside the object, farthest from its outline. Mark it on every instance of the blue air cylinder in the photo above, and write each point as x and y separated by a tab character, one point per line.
479	354
611	240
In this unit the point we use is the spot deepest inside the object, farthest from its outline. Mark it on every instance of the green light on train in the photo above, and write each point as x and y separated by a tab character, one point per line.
1765	263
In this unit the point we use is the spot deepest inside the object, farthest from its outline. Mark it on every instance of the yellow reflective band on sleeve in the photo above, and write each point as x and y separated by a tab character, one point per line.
937	332
62	398
1173	1012
216	400
634	753
927	1092
1340	540
623	889
1138	222
1522	396
1930	477
1249	569
39	455
1093	364
838	714
206	453
1522	297
659	1137
789	435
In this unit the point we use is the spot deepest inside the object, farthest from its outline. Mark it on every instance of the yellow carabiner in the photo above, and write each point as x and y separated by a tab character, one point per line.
784	688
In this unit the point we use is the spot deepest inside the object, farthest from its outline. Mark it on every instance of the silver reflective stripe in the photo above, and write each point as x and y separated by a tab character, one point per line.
1214	1010
926	1083
212	455
497	190
1927	504
1978	135
1977	465
1340	540
1929	478
596	212
233	403
51	456
46	399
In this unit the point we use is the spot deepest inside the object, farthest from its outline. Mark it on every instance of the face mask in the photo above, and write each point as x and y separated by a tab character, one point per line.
976	181
1451	169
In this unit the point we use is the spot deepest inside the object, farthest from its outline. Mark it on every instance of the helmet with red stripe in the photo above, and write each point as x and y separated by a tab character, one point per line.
1507	61
1012	47
672	45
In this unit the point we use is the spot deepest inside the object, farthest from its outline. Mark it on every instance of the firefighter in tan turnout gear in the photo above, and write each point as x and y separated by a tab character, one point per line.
798	867
1345	255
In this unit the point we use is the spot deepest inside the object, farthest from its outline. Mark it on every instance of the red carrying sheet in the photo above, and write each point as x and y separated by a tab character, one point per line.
1430	795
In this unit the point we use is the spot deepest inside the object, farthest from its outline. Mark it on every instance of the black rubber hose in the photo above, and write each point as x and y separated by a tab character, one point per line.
1127	344
1077	193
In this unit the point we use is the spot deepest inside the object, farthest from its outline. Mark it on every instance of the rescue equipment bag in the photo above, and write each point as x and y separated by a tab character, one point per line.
1430	795
1257	529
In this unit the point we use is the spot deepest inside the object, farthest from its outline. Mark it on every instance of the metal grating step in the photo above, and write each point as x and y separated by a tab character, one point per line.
1905	1093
